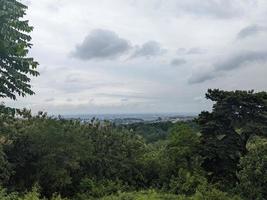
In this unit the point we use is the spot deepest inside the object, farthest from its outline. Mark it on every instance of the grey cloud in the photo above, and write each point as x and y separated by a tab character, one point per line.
201	77
49	100
124	96
101	44
213	8
69	100
191	51
250	31
181	51
229	64
55	6
178	62
76	87
148	49
76	82
240	59
72	78
195	51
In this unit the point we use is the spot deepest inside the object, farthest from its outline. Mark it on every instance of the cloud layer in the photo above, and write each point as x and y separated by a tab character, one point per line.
143	56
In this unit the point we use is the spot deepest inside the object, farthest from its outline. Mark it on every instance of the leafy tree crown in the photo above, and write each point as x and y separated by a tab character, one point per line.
15	66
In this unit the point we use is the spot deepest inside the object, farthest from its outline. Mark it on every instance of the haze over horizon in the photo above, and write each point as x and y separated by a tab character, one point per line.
135	56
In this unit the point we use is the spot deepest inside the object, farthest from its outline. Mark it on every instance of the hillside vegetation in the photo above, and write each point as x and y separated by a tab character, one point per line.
221	155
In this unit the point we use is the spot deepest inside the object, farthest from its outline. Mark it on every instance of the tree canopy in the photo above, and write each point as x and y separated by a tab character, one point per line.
216	159
15	66
236	116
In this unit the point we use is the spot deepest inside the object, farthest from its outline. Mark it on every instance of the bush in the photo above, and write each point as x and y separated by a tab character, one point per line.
186	182
210	192
143	195
90	188
205	192
32	195
5	196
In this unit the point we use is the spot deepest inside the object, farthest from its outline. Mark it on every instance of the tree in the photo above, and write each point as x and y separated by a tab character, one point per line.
15	66
46	151
183	146
253	174
183	160
235	117
5	170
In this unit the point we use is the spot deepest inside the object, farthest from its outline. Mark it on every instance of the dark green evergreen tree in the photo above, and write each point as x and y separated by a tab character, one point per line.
235	117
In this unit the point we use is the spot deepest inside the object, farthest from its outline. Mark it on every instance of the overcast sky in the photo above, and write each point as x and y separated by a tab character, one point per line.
143	56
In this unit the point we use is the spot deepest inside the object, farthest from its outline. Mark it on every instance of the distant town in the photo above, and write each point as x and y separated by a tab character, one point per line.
133	118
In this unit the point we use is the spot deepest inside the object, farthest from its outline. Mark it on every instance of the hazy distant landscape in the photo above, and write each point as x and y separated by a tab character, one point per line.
134	118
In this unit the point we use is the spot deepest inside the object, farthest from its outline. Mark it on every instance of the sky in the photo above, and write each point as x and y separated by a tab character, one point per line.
143	56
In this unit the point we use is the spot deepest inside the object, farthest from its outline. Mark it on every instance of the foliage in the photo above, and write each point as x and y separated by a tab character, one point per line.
153	163
90	188
164	161
32	195
181	153
253	173
46	151
115	155
142	195
152	132
5	168
15	66
97	160
235	117
204	192
186	182
5	196
210	192
183	146
58	153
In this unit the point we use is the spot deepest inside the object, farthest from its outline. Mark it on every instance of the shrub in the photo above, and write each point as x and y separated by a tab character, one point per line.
90	188
186	182
210	192
5	196
32	195
144	195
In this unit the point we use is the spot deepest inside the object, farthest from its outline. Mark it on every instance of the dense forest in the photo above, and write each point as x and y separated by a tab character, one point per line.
220	155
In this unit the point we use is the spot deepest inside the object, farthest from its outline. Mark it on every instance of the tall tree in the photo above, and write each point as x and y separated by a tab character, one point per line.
15	67
235	117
